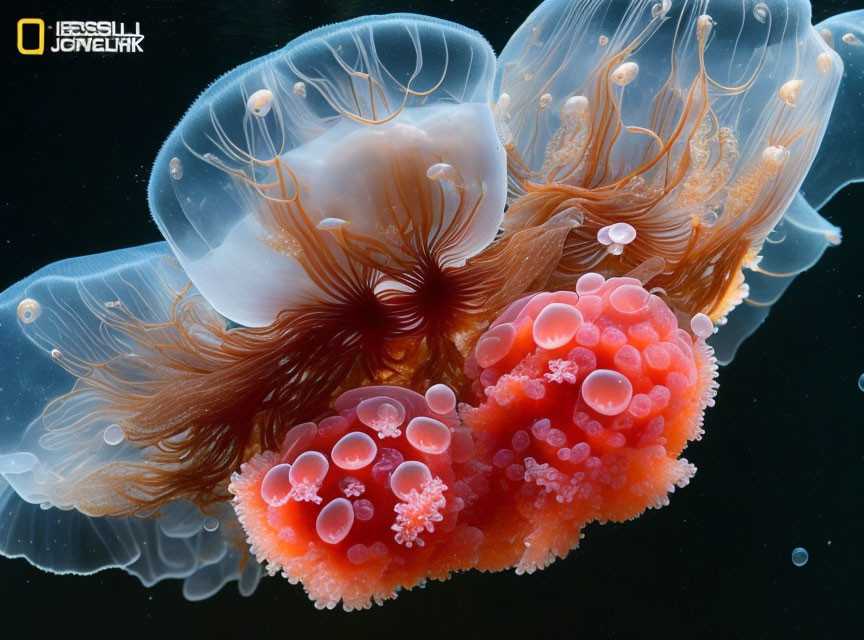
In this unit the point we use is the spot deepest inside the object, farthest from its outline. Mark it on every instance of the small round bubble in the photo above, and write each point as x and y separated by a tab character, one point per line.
701	326
428	435
441	399
310	467
28	310
354	451
800	556
260	103
113	435
334	522
276	486
175	168
409	476
861	382
210	523
607	392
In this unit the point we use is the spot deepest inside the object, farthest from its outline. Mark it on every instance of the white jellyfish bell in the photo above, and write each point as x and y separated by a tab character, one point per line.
333	134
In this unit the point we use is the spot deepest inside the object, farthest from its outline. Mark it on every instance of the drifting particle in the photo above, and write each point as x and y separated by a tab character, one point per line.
800	556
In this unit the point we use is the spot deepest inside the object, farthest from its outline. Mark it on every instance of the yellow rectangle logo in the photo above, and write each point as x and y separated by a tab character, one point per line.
40	23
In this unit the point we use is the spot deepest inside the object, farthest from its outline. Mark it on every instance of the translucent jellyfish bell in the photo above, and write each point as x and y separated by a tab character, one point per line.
841	158
693	122
795	245
802	235
72	362
372	131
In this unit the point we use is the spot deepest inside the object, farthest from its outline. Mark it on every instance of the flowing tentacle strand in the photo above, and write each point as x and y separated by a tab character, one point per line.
689	125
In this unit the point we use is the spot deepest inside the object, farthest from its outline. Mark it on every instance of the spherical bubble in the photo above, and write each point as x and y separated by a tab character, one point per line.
260	103
354	450
441	398
364	509
383	414
28	310
385	464
556	325
580	452
701	326
276	486
540	429
175	168
520	440
861	382
335	521
113	435
607	392
428	435
409	476
210	524
800	556
310	467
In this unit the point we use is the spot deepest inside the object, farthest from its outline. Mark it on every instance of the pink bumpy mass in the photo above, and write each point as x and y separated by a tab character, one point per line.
582	406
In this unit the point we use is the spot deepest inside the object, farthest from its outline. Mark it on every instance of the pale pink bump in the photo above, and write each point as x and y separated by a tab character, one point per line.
556	325
607	392
276	486
701	326
589	283
409	476
354	450
441	399
494	344
428	435
335	520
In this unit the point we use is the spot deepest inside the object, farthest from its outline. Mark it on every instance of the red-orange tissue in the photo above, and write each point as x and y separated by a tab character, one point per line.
590	398
581	404
362	503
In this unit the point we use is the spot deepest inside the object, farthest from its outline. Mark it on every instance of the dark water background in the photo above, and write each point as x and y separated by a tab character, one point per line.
780	465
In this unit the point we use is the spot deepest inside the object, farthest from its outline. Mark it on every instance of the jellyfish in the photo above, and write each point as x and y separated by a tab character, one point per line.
415	315
693	123
320	206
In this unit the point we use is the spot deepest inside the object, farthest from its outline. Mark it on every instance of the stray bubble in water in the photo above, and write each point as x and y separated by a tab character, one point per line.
800	556
861	382
211	523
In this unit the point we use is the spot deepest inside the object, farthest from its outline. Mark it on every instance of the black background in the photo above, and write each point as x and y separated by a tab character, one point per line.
780	465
